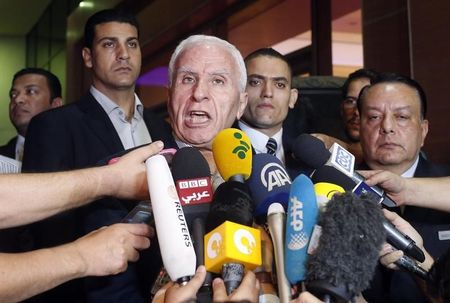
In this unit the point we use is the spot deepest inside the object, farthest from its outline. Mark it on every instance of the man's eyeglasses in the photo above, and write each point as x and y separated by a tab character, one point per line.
349	102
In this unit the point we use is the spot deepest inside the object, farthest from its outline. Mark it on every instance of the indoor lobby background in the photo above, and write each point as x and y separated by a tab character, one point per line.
319	37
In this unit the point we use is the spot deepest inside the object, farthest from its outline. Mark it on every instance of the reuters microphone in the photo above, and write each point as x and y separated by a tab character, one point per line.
231	247
175	243
232	153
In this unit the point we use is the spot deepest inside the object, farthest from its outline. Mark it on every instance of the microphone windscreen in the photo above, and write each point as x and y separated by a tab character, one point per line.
231	202
310	150
330	174
268	183
232	153
301	218
344	261
189	163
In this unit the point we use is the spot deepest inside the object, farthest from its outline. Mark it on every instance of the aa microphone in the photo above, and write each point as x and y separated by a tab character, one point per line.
312	151
396	238
233	154
276	221
345	260
268	183
174	240
231	245
301	218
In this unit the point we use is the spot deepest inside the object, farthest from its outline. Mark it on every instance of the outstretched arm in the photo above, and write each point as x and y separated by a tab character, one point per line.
26	198
102	252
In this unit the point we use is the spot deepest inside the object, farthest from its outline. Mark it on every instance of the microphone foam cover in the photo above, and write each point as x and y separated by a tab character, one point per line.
232	153
189	163
310	150
352	235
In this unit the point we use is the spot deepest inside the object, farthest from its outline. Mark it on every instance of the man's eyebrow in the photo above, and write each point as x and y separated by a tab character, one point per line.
258	76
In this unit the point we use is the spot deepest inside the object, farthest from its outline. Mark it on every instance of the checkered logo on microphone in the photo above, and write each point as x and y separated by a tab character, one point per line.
298	241
344	159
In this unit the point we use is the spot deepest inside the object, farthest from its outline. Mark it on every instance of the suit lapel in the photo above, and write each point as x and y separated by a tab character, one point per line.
98	122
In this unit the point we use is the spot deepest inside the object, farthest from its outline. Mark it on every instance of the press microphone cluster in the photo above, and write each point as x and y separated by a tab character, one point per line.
312	151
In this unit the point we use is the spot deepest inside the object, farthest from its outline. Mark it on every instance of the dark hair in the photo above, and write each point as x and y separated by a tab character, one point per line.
268	52
397	78
105	16
358	74
53	83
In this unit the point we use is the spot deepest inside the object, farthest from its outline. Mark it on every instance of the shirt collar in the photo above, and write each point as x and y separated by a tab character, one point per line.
109	105
409	173
259	139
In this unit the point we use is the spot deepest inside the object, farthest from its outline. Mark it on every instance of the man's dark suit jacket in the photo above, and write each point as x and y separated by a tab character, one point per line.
9	149
399	286
76	136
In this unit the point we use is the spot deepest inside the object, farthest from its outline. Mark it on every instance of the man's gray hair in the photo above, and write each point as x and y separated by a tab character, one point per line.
210	40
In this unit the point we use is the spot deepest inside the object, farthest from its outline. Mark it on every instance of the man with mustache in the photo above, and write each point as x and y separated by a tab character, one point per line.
393	130
33	90
109	119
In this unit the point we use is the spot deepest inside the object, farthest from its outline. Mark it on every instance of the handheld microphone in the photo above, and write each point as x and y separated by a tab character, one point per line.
268	183
312	151
231	245
393	236
171	227
276	221
232	153
352	235
301	218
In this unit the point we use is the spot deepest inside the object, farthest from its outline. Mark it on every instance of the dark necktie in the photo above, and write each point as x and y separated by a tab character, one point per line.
271	146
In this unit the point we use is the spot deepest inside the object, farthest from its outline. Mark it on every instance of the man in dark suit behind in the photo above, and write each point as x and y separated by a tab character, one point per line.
393	130
109	119
33	90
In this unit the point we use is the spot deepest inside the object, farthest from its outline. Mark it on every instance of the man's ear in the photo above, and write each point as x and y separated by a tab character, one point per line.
56	102
243	98
424	126
293	98
86	53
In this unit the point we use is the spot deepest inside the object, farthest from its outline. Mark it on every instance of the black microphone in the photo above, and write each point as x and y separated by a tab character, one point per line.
311	151
192	177
345	259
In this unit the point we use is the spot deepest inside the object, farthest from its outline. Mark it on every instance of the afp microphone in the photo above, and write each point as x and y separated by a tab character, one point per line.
345	260
232	153
268	183
174	240
311	151
301	219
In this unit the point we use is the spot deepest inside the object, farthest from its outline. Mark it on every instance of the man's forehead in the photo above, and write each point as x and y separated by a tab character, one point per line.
391	91
30	80
114	29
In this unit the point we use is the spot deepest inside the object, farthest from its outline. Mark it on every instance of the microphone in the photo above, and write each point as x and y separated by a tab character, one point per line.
171	228
233	154
312	151
231	245
268	183
345	260
276	221
301	218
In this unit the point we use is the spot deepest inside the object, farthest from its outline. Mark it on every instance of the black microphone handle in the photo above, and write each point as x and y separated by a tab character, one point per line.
402	242
410	265
204	294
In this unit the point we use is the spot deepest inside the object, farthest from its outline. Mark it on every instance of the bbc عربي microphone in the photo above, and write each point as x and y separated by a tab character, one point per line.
301	219
345	260
175	243
232	153
318	160
268	183
311	150
276	221
231	243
